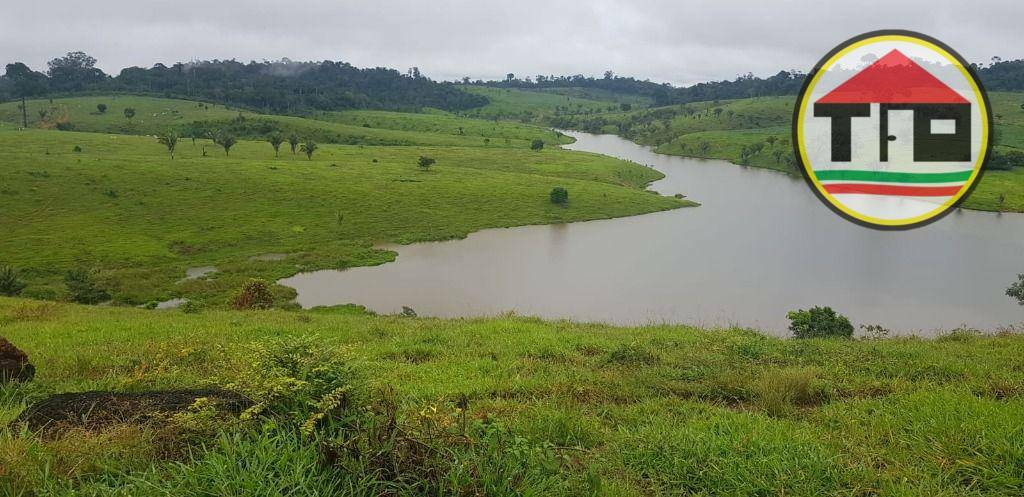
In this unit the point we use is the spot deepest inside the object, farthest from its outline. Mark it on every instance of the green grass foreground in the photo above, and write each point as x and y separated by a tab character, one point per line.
515	406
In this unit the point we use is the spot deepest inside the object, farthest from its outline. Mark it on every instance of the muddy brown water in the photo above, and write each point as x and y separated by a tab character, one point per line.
761	244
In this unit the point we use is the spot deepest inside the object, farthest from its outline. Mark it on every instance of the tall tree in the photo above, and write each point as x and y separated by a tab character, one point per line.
169	140
276	139
308	148
75	71
293	140
27	83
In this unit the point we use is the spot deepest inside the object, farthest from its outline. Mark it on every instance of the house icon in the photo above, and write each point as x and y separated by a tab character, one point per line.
940	127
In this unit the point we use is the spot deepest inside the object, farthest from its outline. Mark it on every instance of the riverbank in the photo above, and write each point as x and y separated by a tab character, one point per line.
552	408
756	132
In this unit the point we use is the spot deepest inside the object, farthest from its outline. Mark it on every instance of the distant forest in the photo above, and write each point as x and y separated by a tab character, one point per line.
291	87
999	75
283	86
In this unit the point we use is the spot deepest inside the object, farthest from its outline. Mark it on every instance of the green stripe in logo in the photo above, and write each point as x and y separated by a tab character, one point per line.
891	177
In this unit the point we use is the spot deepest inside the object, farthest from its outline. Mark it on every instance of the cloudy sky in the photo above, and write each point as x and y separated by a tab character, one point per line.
676	41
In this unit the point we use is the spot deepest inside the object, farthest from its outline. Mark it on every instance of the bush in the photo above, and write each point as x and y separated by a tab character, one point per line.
10	282
255	294
1016	290
82	288
101	108
537	144
559	195
65	126
819	322
425	162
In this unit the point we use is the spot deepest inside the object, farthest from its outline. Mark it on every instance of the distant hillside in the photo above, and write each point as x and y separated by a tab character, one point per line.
283	86
998	75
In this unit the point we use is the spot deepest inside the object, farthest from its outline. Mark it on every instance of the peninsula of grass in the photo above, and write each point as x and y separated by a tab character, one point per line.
120	206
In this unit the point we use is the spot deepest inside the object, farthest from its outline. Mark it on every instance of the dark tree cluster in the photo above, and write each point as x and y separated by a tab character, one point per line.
282	86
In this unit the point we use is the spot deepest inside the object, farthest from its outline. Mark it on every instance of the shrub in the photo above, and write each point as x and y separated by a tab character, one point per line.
65	126
559	195
1016	290
101	108
255	294
77	149
10	282
82	289
818	322
296	378
191	306
537	144
425	162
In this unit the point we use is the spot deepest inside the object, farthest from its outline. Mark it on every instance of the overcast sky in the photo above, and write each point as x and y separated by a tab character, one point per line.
676	41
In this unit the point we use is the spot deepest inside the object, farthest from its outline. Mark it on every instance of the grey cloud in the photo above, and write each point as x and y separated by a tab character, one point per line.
676	41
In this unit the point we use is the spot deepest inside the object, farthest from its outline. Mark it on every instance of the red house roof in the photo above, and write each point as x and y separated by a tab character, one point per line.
893	79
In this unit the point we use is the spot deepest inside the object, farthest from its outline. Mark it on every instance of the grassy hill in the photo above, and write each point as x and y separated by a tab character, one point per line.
123	207
158	115
528	106
509	406
756	132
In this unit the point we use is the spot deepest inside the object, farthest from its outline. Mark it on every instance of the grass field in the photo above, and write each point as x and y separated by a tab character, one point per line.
528	106
512	406
124	208
158	115
721	130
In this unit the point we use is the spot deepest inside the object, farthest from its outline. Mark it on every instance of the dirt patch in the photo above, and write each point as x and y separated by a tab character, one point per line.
95	410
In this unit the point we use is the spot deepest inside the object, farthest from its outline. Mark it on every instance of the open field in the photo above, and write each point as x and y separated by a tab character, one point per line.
526	105
515	406
158	115
722	130
123	207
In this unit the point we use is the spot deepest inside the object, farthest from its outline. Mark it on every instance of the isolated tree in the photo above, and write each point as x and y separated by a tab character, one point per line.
425	162
169	140
308	148
293	140
276	139
559	195
1016	290
129	113
225	140
101	108
537	144
718	112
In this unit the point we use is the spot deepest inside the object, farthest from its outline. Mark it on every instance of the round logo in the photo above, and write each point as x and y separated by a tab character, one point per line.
891	129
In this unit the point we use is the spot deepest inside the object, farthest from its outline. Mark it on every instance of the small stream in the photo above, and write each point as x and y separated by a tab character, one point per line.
760	245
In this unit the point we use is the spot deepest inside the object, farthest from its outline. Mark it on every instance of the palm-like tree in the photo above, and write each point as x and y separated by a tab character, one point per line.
293	140
169	140
276	139
308	148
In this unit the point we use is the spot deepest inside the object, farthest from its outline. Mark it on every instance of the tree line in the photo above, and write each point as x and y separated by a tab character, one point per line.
282	86
998	75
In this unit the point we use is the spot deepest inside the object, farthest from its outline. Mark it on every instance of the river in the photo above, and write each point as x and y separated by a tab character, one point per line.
760	245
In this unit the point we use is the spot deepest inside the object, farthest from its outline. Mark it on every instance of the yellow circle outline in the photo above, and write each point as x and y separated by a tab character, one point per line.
952	200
